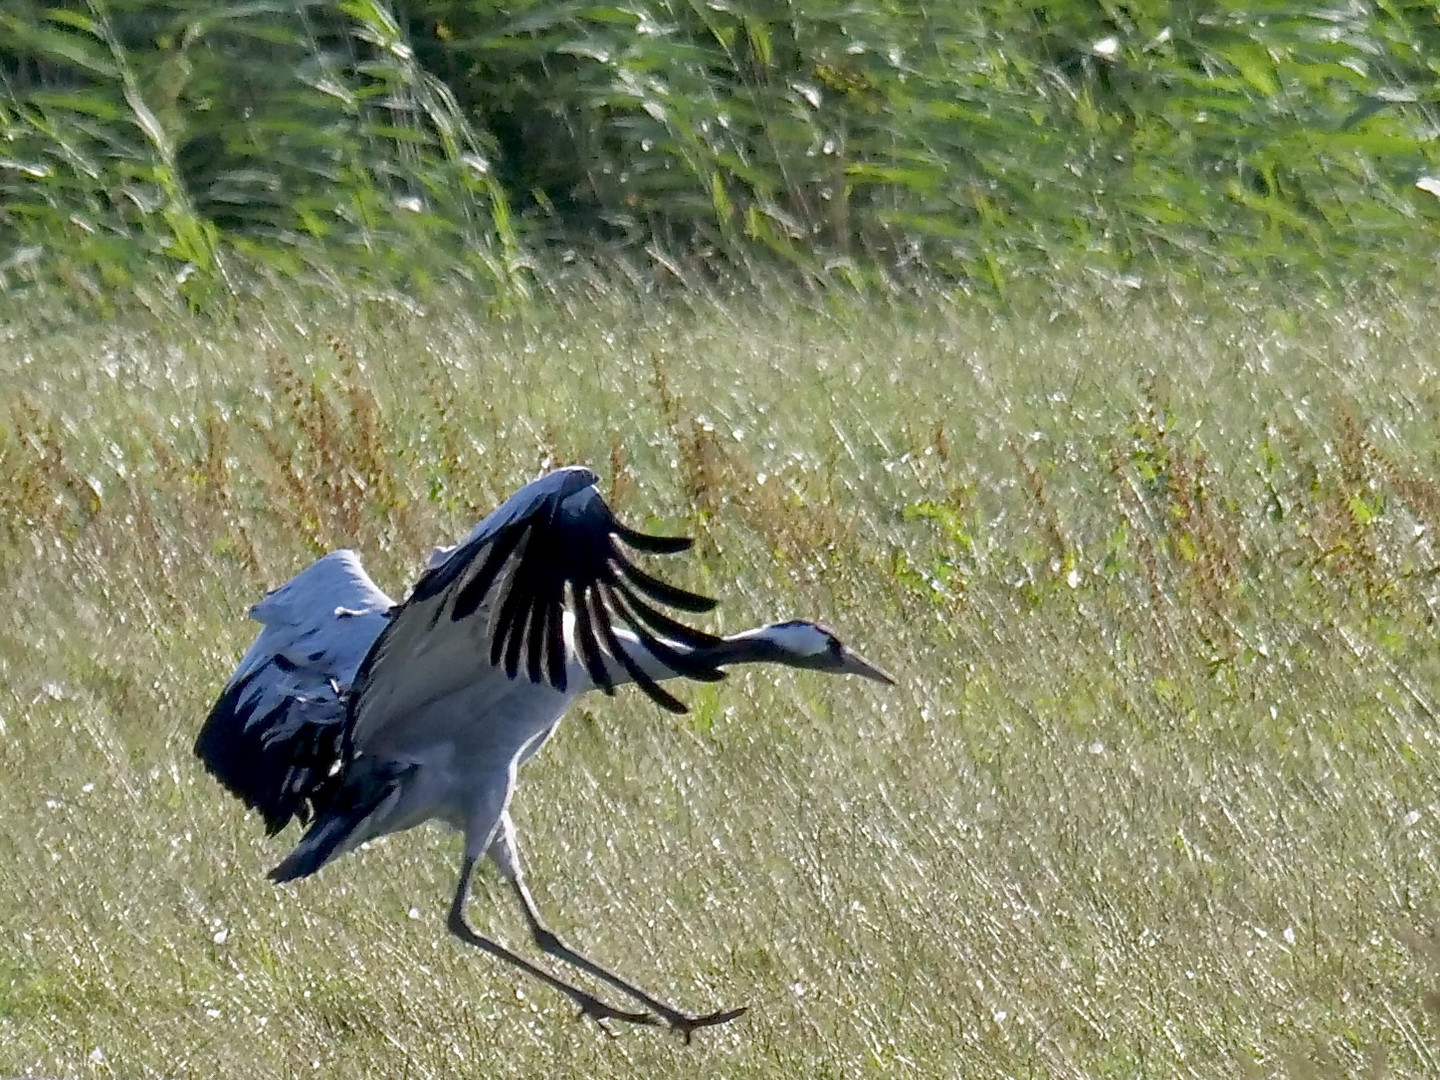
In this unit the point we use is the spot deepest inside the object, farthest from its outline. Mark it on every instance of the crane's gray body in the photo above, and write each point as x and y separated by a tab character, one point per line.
366	717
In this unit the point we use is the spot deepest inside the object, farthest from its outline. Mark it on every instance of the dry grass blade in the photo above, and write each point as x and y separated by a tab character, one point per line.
1155	794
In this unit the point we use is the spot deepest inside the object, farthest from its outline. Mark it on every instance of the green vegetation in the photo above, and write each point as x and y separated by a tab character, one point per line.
1148	531
1157	570
864	142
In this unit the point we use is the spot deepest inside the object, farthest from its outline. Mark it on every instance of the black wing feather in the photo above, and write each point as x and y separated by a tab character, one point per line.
658	622
654	690
662	591
516	597
560	536
472	594
590	647
281	778
687	664
555	640
650	544
575	542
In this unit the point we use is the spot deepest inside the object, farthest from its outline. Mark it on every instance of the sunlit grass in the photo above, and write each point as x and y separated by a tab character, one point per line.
1154	797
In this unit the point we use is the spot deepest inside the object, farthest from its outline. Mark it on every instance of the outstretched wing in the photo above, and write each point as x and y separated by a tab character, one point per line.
276	732
494	607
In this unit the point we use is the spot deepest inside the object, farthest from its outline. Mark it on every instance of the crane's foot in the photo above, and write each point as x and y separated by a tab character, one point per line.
688	1025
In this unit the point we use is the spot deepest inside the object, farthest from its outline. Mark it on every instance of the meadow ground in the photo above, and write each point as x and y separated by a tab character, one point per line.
1155	796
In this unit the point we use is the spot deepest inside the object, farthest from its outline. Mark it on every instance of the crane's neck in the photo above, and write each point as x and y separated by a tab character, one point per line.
754	646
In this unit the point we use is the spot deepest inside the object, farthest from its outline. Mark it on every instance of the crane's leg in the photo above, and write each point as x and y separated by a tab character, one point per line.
505	852
590	1005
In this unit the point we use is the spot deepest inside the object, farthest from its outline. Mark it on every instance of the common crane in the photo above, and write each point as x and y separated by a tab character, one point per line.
364	717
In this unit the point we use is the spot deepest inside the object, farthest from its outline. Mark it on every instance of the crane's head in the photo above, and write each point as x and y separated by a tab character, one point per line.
805	644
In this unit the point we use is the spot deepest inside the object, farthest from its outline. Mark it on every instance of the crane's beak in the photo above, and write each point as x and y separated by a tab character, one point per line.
852	663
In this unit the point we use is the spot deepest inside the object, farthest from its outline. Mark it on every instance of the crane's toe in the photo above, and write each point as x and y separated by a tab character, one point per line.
601	1013
688	1025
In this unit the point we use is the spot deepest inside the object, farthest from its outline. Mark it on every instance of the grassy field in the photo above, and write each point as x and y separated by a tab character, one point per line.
1157	571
